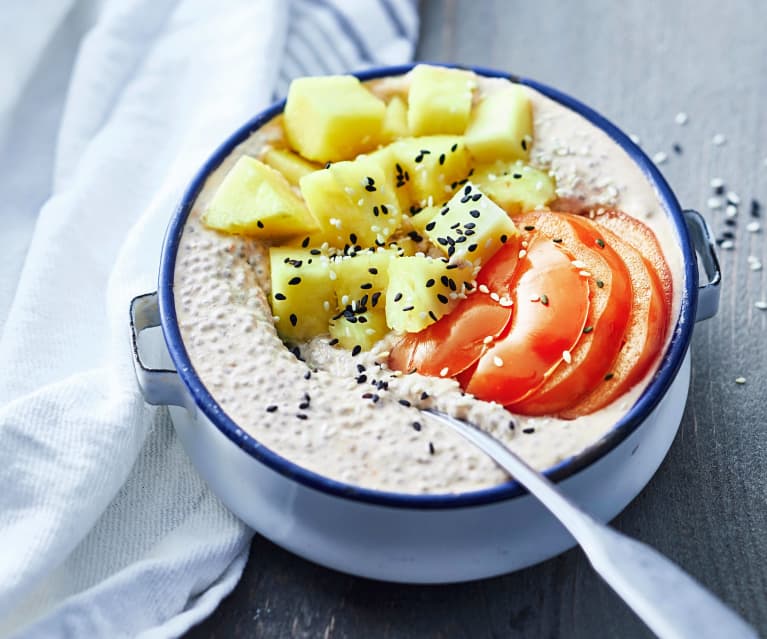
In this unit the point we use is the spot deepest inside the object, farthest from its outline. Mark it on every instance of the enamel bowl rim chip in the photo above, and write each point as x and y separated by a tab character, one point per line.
656	389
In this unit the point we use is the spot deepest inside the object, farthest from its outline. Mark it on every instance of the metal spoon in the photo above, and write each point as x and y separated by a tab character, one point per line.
667	599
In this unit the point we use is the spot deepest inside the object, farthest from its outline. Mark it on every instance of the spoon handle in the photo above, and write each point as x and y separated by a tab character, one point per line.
667	599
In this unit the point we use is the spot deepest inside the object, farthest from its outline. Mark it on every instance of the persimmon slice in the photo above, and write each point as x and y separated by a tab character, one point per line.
451	345
610	293
646	330
551	303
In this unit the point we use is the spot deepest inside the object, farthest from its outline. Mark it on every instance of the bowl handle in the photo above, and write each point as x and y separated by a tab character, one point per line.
703	243
159	386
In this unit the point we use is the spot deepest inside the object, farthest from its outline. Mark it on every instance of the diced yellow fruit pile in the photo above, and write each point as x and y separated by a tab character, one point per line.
379	211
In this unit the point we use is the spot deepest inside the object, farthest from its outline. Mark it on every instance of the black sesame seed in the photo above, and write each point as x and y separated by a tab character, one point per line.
374	299
293	319
588	329
398	297
308	375
511	424
328	165
408	308
431	448
430	282
424	395
728	235
442	158
528	431
755	208
524	144
294	280
471	248
280	296
417	426
557	240
443	241
504	238
333	341
529	227
609	376
445	280
545	300
361	379
356	350
476	197
677	148
303	405
301	416
454	148
405	402
384	210
430	226
433	316
474	213
271	409
366	286
315	252
600	284
517	176
305	243
731	221
442	298
260	224
600	242
370	188
375	211
361	368
467	189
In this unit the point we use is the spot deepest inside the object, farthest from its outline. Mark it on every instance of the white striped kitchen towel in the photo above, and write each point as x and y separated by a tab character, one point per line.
106	110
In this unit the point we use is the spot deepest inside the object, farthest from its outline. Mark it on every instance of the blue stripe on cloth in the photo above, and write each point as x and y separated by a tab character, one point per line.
395	18
338	36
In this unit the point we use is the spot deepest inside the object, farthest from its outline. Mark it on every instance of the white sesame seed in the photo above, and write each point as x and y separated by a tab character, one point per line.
488	339
733	198
753	227
535	298
522	253
681	118
718	139
567	357
360	202
717	183
756	266
524	243
444	371
497	361
715	202
761	305
495	297
635	139
740	380
483	288
727	245
506	301
731	210
660	157
332	275
326	305
579	264
584	273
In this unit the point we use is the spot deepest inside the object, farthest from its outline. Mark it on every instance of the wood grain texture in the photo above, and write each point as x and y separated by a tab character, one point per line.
639	63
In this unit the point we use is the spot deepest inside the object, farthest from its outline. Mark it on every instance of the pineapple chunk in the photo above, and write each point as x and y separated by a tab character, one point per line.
254	199
421	290
439	100
332	118
515	187
360	286
471	227
361	276
419	219
302	294
361	330
430	166
290	164
395	120
501	126
353	202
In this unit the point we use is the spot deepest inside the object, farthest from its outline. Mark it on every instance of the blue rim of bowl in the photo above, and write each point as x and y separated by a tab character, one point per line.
666	373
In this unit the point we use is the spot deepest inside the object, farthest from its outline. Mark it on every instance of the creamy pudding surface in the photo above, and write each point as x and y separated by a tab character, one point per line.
351	418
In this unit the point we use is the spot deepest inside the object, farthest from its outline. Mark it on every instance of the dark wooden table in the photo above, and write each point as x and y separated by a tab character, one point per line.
639	63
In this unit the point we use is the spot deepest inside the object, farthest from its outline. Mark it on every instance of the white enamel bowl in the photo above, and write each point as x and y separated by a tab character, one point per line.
422	538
